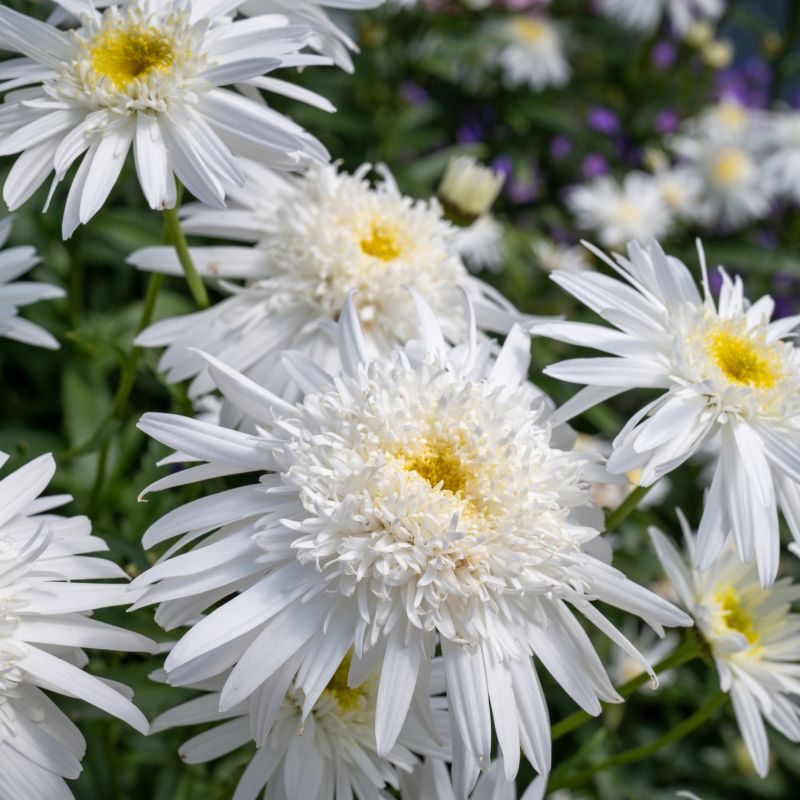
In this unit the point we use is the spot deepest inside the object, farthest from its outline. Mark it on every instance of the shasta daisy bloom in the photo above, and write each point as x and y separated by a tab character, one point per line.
315	740
618	212
46	603
729	380
413	500
778	144
531	52
753	637
147	75
316	238
15	262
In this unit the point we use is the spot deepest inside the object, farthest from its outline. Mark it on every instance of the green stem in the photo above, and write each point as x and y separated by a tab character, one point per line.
689	650
681	730
624	509
124	388
174	235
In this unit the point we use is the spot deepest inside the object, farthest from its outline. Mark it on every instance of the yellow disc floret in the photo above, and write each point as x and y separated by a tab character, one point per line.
733	616
128	53
382	242
730	166
530	30
347	698
742	359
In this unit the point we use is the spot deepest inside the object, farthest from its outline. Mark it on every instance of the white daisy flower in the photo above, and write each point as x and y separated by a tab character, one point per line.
778	144
330	40
316	238
645	15
634	209
146	74
728	377
551	256
315	739
681	189
411	501
45	620
726	122
733	190
531	52
15	262
753	637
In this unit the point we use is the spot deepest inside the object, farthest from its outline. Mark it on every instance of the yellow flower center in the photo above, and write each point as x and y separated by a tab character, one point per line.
730	166
627	213
733	616
731	115
347	698
382	242
126	54
742	360
531	30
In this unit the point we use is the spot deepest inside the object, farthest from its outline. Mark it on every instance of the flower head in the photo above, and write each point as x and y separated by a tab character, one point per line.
147	76
415	499
316	239
314	740
753	637
45	620
728	378
15	262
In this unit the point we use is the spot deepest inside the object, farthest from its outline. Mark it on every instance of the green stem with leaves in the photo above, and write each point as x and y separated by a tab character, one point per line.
680	731
173	233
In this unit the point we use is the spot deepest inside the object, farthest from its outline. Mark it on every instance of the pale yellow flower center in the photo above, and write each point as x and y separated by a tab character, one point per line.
347	698
126	54
730	166
731	115
382	242
627	212
530	30
743	360
733	616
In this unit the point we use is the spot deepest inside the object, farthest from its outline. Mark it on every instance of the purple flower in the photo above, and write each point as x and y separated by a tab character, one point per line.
560	147
504	165
663	54
603	120
594	165
469	133
667	121
413	94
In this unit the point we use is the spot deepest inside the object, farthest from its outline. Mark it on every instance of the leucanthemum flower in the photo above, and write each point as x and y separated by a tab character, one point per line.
531	52
753	637
777	142
316	238
315	740
46	603
147	75
15	262
729	380
619	212
645	15
412	500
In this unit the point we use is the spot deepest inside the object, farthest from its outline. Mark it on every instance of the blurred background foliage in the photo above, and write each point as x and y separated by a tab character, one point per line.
423	90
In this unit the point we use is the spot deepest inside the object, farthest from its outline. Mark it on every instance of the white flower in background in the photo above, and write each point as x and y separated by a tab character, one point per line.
15	262
618	212
331	40
531	52
315	735
431	781
753	637
316	238
777	136
645	15
551	256
733	190
681	190
411	501
467	192
726	122
46	603
147	76
729	380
